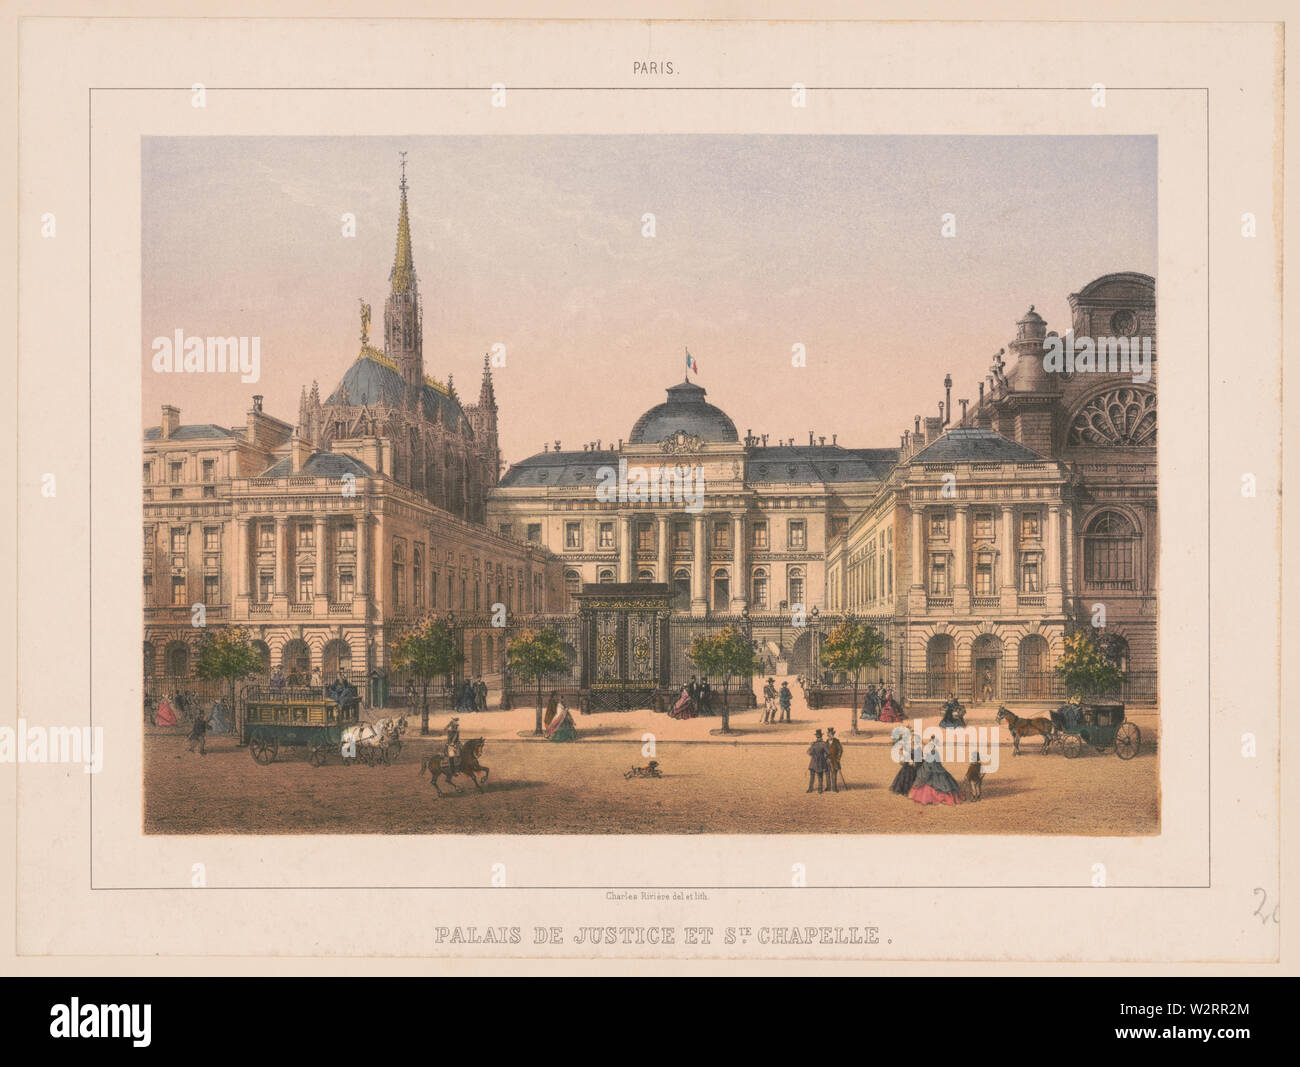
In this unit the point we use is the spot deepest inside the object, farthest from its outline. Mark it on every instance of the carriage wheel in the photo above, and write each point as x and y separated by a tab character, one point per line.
263	746
316	755
1128	739
1071	746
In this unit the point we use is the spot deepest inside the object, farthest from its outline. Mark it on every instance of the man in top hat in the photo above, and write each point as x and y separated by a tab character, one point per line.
834	754
818	761
784	698
769	701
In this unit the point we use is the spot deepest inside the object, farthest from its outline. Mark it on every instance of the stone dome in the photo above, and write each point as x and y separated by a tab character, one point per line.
684	410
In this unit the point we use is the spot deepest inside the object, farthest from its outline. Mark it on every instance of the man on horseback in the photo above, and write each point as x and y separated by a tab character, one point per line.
452	747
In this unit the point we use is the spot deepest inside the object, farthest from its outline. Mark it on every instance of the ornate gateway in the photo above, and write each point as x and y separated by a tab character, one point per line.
624	644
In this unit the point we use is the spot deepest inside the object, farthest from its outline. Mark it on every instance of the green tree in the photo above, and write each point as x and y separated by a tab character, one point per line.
532	656
227	655
1086	666
425	652
852	647
725	654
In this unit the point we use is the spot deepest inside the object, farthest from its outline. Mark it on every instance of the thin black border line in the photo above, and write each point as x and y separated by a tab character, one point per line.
91	90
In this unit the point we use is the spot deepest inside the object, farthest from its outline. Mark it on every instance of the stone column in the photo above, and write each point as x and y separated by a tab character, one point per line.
322	574
1008	547
1068	582
243	571
961	563
625	548
1053	543
739	580
665	527
916	595
281	559
362	578
700	567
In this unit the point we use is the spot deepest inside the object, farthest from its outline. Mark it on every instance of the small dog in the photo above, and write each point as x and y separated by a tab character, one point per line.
650	770
974	778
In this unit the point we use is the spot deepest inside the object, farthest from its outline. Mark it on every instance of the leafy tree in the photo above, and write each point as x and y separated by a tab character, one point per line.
726	653
532	656
1086	665
227	655
425	652
852	647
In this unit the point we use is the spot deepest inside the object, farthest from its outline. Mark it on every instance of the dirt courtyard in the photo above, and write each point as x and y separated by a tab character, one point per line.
753	783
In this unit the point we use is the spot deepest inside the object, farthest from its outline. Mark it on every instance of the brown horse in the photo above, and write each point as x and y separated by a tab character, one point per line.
439	766
1024	727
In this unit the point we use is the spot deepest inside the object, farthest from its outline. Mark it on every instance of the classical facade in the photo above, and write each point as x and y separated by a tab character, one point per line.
728	523
1032	514
976	544
325	537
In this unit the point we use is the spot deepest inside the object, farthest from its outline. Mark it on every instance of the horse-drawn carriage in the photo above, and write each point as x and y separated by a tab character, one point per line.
1099	725
311	717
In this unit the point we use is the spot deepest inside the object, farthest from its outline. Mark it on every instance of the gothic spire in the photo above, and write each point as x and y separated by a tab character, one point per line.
487	395
403	273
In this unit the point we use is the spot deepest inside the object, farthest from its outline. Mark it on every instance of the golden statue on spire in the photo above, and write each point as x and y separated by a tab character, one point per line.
365	321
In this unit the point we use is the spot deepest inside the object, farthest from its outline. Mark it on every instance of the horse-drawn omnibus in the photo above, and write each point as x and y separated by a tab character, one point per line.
311	717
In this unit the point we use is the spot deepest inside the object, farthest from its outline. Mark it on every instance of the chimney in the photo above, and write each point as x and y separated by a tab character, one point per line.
299	452
557	446
810	438
981	392
833	436
171	420
918	423
764	440
963	404
947	396
822	441
546	446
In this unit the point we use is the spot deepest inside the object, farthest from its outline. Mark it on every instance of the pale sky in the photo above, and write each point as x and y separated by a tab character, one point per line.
536	242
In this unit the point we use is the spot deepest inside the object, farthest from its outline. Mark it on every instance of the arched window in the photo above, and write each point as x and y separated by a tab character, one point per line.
336	660
758	588
572	585
606	577
178	659
794	585
645	576
1110	552
681	588
721	590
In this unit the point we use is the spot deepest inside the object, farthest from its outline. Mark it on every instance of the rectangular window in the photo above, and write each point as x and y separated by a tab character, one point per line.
605	536
266	536
211	589
1107	560
148	588
798	534
211	538
938	576
347	537
265	586
209	492
535	532
645	537
174	472
722	535
399	585
682	536
178	539
984	575
505	529
306	587
983	525
346	585
209	470
573	535
760	534
1029	576
178	592
939	525
1029	525
306	535
148	473
760	592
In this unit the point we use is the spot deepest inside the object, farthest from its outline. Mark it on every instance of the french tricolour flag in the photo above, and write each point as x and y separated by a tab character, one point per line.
691	365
